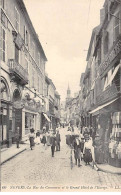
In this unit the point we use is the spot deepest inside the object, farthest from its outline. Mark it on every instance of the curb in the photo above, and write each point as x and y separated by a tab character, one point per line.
107	171
12	156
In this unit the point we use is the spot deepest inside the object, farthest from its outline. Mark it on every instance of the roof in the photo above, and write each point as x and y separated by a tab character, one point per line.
94	31
22	5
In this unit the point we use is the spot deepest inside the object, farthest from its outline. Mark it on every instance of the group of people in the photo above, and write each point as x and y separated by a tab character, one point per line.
51	138
82	144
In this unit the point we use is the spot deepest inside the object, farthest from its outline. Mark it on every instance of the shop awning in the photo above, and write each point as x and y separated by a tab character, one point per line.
45	115
104	105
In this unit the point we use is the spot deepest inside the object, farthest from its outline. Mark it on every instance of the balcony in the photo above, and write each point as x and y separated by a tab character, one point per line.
109	94
17	72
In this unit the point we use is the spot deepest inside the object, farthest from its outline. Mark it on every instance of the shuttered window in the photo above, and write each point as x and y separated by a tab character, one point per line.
2	44
17	19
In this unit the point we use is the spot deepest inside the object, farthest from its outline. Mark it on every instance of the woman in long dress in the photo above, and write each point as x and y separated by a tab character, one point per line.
31	138
87	151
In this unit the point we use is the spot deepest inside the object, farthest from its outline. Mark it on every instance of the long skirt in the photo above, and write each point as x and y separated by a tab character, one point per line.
87	155
32	142
77	153
38	139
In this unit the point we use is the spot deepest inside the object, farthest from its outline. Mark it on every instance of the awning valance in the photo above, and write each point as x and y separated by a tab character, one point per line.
104	105
45	115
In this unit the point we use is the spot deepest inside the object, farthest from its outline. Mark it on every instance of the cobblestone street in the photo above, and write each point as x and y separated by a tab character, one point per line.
37	168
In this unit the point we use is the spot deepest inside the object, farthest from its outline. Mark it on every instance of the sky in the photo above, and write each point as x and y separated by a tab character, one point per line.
64	28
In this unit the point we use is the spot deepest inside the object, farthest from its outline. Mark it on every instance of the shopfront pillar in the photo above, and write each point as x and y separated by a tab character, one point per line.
23	122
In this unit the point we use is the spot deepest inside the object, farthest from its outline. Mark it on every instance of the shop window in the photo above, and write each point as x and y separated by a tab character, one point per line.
29	122
17	19
2	44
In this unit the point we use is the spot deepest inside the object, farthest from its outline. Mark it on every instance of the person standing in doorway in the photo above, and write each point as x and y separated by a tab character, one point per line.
17	137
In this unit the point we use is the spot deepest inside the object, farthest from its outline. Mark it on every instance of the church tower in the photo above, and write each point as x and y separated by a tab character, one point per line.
68	94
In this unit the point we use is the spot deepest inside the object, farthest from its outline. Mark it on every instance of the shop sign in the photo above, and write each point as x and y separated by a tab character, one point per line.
115	51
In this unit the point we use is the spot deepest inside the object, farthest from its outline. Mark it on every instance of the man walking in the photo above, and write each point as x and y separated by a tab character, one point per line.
53	143
58	140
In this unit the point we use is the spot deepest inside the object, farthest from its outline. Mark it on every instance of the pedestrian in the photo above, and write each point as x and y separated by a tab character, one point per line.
77	151
53	143
31	138
44	138
58	140
87	151
38	137
17	137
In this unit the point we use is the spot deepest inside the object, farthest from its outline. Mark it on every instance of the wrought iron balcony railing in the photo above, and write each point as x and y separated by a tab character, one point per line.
18	72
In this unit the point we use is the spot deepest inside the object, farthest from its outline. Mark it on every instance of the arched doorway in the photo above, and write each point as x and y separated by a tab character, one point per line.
5	119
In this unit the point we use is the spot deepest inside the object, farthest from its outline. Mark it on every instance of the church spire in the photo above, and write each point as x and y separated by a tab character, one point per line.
68	93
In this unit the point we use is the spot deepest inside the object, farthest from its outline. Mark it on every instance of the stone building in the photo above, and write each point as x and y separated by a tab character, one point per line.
22	61
102	84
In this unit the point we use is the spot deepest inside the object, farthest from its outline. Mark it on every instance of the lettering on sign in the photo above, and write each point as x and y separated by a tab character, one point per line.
116	50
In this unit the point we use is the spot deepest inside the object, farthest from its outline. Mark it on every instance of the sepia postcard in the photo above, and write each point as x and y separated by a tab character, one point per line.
60	98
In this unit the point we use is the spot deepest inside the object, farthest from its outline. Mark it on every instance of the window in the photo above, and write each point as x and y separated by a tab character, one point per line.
16	54
26	64
17	19
38	60
26	36
33	50
2	44
33	78
2	4
116	26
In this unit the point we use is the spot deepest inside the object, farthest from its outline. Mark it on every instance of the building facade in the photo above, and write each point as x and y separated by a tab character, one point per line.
22	61
102	84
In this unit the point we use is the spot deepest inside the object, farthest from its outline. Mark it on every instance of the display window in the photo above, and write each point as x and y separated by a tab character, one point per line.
29	122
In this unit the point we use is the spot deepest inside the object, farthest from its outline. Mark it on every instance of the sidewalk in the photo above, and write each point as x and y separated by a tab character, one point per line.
9	153
108	168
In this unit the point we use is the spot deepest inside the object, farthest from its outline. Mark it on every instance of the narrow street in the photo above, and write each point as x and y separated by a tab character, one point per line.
36	169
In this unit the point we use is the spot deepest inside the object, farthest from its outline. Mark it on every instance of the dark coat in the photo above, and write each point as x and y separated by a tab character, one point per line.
77	149
53	141
58	138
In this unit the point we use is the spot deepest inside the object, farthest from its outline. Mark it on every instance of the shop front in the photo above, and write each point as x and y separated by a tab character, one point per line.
108	133
5	115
